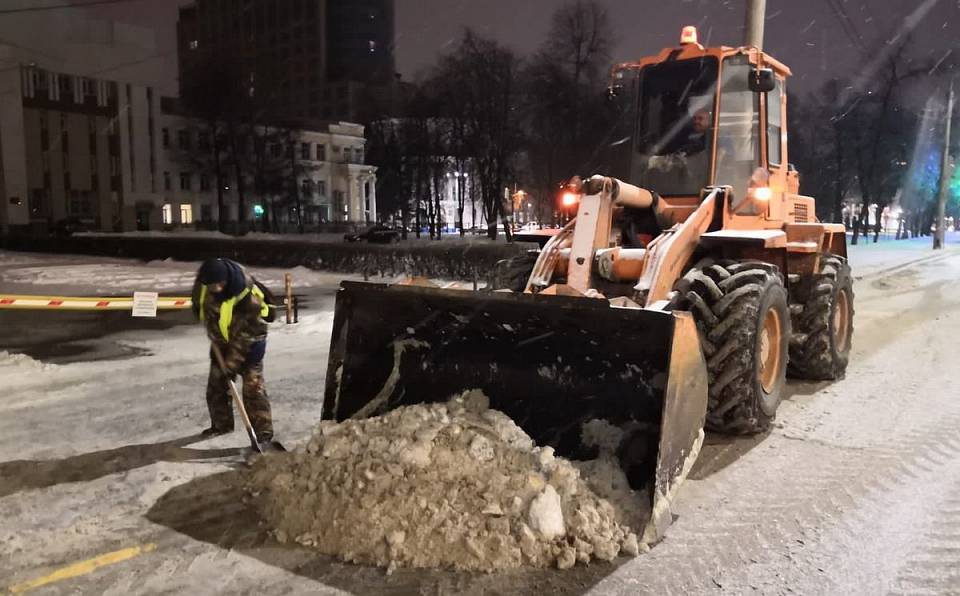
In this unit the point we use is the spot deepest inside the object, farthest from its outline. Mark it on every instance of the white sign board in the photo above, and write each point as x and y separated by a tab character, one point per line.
145	304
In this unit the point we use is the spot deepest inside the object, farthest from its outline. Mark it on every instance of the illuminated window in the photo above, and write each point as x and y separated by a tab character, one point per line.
186	213
167	214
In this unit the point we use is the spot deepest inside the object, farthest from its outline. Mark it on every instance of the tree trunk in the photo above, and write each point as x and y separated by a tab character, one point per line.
296	188
241	194
417	190
218	174
266	212
860	223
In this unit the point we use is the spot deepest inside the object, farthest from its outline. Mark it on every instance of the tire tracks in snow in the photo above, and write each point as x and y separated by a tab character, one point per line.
849	498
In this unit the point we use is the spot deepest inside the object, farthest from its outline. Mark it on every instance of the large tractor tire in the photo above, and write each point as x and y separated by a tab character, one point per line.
822	308
513	273
743	320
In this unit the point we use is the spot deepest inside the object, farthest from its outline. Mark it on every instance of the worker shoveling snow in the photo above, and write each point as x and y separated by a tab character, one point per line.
454	485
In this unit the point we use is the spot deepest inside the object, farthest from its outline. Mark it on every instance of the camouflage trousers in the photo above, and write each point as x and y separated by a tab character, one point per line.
220	402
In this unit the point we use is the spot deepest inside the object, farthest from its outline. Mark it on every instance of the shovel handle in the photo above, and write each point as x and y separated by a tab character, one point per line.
238	400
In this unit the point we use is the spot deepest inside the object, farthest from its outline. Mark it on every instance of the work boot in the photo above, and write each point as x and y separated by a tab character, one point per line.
215	432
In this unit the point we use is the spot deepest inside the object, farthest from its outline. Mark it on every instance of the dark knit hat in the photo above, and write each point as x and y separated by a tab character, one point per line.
225	271
213	271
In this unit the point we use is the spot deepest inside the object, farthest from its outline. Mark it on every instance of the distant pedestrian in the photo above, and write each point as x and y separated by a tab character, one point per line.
235	310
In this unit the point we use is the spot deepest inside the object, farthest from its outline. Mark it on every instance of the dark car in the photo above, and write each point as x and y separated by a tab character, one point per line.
378	234
71	225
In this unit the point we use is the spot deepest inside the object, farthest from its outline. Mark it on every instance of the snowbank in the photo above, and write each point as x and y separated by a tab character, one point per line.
454	485
21	362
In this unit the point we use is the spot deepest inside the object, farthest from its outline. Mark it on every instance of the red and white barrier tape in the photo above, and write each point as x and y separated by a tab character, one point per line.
74	303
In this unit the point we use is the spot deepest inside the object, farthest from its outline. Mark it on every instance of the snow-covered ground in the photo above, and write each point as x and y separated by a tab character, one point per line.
855	492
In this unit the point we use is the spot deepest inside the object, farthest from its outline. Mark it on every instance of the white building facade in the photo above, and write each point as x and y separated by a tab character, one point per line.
78	148
333	184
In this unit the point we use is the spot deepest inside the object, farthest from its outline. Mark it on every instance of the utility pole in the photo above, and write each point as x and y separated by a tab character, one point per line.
944	176
753	29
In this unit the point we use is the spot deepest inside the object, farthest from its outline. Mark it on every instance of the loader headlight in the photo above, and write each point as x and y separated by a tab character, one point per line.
761	193
569	199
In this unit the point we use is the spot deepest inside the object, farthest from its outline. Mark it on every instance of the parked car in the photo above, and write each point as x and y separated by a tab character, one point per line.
378	234
71	225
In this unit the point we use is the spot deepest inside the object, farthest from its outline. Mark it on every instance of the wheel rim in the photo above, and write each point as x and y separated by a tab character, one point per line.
841	322
770	350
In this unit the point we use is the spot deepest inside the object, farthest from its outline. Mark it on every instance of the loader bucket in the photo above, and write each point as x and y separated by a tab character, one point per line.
551	363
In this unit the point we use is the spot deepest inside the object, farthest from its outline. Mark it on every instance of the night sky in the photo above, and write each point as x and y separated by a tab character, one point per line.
805	34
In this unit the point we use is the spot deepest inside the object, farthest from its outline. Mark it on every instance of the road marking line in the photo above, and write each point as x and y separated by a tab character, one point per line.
82	567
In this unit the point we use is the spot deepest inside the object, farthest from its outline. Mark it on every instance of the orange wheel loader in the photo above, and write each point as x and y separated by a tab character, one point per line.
693	278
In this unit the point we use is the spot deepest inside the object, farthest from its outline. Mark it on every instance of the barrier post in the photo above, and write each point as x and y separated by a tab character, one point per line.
288	287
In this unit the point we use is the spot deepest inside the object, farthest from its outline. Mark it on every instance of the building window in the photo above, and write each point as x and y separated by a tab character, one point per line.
277	150
165	135
65	82
194	44
36	201
372	45
184	180
359	154
304	150
183	139
305	188
167	185
167	211
186	213
204	183
321	152
89	88
114	165
322	188
206	213
203	141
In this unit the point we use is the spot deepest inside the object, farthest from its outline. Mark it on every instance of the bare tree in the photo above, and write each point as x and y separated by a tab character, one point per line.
385	150
484	74
567	119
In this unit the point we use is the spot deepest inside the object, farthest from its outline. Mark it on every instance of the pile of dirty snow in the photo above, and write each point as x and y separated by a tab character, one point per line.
454	485
14	361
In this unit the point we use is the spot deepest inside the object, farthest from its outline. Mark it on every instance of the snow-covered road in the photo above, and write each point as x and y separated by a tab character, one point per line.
857	490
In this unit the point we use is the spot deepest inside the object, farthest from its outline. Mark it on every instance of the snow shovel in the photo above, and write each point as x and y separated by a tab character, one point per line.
254	441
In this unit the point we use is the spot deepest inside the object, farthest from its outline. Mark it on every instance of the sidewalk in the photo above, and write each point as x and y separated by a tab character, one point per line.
868	258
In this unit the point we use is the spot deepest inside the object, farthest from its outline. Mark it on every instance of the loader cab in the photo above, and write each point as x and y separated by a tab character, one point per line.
692	117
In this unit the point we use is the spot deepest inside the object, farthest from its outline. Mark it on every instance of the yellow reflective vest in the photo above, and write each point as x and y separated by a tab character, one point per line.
227	306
